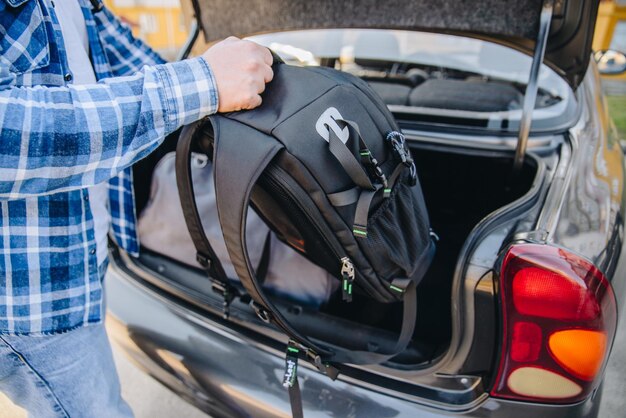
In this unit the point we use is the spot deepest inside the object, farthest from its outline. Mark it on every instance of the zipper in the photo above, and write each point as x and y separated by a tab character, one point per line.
277	176
347	279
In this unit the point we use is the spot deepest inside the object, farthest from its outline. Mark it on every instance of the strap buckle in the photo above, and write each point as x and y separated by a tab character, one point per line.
398	143
297	350
368	160
226	290
228	293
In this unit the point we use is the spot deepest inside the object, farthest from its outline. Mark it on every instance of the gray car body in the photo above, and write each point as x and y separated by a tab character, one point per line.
228	369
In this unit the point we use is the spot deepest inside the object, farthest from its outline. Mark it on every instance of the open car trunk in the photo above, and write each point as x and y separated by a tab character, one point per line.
460	190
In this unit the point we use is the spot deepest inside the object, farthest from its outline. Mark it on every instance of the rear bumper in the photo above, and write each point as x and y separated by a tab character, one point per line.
227	375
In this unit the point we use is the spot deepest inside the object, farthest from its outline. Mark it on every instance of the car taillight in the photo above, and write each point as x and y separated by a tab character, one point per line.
559	319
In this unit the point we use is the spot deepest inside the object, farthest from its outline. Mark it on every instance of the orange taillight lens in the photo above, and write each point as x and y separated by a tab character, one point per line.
579	351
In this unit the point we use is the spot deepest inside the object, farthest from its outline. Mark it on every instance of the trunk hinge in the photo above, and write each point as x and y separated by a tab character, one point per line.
190	41
530	95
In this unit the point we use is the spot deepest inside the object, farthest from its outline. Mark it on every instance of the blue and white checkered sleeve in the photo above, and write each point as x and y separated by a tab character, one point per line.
55	139
125	53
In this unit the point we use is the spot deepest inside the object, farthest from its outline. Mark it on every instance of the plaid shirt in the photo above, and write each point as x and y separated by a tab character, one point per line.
57	139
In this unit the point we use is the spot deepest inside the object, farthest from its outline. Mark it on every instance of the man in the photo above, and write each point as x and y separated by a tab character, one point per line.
81	100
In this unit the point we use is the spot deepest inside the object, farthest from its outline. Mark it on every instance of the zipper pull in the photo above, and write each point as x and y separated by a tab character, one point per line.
347	279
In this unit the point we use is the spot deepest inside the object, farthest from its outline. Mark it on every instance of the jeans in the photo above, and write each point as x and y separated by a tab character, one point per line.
62	375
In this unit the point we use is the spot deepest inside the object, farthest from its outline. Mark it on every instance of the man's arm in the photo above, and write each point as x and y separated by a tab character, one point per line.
125	53
62	138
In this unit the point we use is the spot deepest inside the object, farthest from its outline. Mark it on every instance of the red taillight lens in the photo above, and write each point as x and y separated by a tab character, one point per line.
526	342
559	319
570	299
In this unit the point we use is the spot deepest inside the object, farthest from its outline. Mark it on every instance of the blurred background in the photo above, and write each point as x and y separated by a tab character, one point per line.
164	24
611	34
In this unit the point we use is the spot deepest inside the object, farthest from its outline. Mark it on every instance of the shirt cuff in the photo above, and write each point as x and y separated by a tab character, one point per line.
189	90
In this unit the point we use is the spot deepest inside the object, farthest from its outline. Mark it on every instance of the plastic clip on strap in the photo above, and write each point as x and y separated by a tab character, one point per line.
398	143
371	162
223	288
324	368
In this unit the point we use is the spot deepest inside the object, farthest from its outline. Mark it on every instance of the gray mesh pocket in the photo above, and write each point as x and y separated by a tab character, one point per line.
397	233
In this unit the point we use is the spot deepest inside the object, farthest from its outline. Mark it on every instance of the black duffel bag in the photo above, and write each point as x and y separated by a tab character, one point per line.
325	165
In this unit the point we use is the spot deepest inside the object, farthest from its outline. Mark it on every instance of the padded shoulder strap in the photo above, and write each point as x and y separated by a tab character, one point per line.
239	159
205	254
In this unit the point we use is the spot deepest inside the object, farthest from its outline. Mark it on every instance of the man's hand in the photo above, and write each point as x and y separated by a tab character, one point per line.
241	69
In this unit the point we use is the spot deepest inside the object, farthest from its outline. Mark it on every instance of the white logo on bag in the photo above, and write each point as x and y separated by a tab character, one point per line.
328	121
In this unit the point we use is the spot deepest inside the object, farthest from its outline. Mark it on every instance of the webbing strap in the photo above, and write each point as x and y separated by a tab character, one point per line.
396	174
295	399
344	198
359	228
348	161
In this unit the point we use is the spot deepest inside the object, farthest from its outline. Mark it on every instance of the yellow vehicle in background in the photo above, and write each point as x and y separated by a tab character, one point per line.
161	23
609	40
609	44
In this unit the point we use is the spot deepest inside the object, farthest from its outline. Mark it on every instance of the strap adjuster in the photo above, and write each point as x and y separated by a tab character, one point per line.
369	161
228	293
226	290
359	231
400	285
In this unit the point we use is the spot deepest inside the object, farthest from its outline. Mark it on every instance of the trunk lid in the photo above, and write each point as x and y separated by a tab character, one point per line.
508	22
